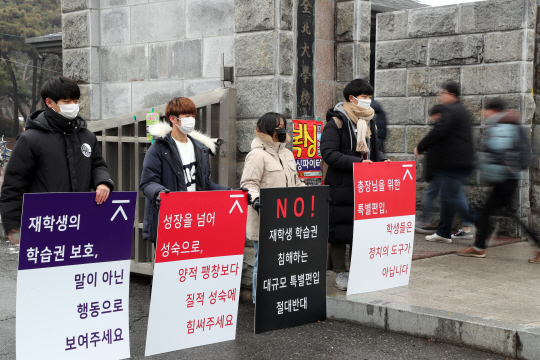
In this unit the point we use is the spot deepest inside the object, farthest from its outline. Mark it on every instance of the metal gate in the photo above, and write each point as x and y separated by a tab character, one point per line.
123	144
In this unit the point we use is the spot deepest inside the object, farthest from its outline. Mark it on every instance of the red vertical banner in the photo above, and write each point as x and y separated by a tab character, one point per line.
384	216
307	150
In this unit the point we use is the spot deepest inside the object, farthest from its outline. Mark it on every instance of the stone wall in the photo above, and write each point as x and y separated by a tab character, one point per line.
133	54
488	47
264	76
353	30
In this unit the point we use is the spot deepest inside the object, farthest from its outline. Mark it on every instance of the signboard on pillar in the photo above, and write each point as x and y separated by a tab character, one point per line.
385	207
291	274
199	256
305	45
73	279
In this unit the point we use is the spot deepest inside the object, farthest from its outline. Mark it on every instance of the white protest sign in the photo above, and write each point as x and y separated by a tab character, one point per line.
199	256
73	279
385	205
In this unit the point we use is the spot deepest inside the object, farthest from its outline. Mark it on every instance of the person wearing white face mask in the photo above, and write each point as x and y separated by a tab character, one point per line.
56	153
178	160
349	136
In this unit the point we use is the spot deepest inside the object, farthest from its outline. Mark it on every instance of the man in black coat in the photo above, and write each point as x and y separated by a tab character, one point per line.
56	153
342	144
176	161
452	151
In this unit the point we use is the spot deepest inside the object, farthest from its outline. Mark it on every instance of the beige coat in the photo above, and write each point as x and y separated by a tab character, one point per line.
264	169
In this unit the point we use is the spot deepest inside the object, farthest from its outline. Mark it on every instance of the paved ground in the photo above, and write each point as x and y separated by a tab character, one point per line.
502	286
328	339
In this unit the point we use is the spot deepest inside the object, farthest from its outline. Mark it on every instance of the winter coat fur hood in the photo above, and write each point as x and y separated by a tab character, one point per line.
269	164
162	169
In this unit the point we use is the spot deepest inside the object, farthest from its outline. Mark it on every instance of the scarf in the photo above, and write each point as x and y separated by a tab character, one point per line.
360	116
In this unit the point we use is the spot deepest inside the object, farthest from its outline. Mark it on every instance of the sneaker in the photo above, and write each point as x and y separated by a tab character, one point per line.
342	280
422	228
437	238
536	260
466	235
471	251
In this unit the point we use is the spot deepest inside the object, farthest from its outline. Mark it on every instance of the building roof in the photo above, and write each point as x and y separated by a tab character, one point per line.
393	5
51	43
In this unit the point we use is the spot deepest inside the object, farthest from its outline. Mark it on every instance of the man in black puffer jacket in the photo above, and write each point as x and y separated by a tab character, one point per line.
451	147
56	153
341	147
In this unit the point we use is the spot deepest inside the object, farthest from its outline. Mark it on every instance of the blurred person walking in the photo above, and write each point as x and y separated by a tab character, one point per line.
349	136
507	151
451	142
269	164
424	225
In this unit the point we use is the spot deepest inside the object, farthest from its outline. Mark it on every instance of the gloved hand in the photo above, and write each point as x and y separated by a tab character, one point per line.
158	196
256	205
248	194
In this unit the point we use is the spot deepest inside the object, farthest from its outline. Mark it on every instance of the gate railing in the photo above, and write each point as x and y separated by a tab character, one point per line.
123	144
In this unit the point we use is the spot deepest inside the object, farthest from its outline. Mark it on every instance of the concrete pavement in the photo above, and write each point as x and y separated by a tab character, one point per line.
325	340
491	303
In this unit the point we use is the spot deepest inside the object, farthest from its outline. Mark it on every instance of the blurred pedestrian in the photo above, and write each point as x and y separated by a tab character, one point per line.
269	164
38	162
424	225
380	121
507	151
349	136
450	140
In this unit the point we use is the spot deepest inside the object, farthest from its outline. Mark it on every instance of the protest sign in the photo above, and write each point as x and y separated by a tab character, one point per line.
384	215
199	256
291	274
307	150
73	279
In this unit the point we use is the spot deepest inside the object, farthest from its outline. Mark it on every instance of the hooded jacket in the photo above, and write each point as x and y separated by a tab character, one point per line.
338	149
504	143
269	164
54	154
162	169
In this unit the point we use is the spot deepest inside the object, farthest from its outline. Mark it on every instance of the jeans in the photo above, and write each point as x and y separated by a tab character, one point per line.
254	288
429	197
453	199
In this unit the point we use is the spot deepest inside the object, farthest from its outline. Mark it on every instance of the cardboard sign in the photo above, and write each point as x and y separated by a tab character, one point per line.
199	256
307	150
291	275
152	118
73	279
385	207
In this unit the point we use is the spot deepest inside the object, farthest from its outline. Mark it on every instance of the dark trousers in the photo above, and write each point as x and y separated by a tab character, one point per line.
452	199
501	195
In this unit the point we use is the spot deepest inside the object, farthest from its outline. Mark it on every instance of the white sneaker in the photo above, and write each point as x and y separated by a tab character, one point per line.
342	280
437	238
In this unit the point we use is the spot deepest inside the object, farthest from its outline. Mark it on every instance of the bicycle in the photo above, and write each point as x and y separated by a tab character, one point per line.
5	153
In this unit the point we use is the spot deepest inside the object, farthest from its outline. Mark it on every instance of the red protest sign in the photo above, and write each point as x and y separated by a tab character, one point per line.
384	189
203	226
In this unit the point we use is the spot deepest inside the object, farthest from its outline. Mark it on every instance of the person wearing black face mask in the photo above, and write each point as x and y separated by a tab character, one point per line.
269	164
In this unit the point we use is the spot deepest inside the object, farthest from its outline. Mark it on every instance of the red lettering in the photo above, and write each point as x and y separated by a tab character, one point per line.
298	214
283	208
312	205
